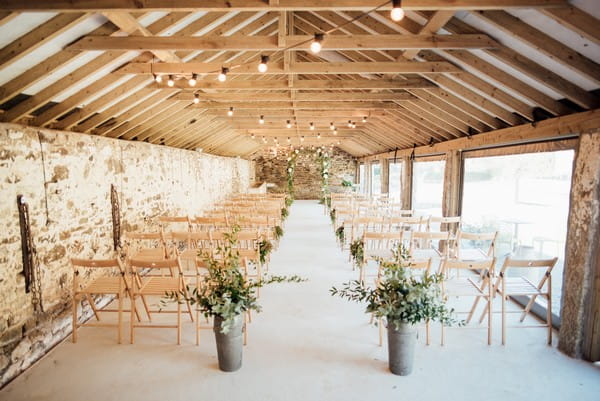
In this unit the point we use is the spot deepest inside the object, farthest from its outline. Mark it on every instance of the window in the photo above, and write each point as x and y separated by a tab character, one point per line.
362	178
525	197
395	180
375	178
428	187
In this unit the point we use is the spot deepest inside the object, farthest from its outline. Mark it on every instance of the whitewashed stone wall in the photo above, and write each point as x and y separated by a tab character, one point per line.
66	178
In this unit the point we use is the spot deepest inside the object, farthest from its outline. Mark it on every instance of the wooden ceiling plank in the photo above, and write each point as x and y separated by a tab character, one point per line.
542	42
434	24
300	97
39	36
576	20
311	84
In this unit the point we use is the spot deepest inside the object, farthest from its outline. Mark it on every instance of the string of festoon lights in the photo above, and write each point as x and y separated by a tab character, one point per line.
316	45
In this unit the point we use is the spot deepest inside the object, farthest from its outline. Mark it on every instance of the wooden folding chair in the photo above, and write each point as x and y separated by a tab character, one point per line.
507	286
150	245
378	245
480	251
423	266
157	286
469	286
422	244
115	284
167	222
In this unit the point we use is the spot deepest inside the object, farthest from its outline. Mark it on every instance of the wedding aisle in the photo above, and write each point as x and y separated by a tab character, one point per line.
305	345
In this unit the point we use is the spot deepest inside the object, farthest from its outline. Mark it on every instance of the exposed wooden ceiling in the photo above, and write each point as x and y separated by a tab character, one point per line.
449	69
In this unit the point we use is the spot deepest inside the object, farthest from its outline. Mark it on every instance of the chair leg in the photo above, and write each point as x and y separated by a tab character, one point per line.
489	313
503	319
527	308
428	332
443	334
380	324
245	329
132	319
197	327
146	307
93	306
74	336
189	306
549	318
179	320
120	312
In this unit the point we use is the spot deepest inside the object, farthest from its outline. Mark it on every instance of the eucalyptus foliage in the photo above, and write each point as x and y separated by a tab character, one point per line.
340	234
400	297
284	213
332	216
226	292
277	232
357	251
265	247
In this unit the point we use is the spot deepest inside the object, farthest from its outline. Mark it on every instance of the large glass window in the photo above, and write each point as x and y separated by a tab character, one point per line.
395	180
362	178
428	187
375	178
525	197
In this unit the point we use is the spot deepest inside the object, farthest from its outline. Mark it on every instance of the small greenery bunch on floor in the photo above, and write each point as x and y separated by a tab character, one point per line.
340	234
226	292
400	297
357	252
332	216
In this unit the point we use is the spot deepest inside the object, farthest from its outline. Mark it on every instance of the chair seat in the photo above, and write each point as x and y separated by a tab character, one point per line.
149	253
519	286
463	286
104	285
378	253
473	254
159	285
425	253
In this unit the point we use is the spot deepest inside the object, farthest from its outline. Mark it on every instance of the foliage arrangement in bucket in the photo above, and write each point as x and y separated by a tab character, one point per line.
401	298
226	293
324	162
340	234
291	168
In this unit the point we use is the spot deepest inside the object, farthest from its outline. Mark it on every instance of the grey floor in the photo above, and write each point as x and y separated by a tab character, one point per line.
306	345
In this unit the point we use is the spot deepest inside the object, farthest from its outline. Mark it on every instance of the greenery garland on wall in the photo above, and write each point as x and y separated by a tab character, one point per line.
324	161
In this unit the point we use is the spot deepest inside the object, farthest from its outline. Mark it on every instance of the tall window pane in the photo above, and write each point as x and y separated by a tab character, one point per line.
375	179
362	178
525	198
395	183
428	187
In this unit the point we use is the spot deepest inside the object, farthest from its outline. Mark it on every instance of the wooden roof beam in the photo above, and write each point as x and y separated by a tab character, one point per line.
259	5
266	43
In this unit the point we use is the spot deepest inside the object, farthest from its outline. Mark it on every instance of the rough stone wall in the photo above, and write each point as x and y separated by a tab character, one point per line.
272	168
65	179
582	247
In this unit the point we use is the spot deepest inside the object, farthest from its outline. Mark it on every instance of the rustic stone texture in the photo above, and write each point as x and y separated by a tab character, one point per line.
68	193
583	235
272	168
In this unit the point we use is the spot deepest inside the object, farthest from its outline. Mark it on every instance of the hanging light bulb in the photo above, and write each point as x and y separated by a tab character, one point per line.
264	139
158	78
192	81
230	112
315	46
302	138
331	126
289	139
312	127
338	142
261	120
288	124
334	132
349	123
223	75
196	99
252	135
170	81
319	135
353	124
364	120
397	12
262	67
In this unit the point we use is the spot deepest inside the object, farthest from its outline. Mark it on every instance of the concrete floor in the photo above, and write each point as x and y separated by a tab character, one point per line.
306	345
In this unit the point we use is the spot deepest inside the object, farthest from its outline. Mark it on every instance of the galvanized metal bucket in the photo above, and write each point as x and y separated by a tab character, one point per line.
401	348
230	345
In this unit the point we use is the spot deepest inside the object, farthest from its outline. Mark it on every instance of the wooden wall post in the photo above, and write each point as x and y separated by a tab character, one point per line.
385	175
452	183
407	167
579	334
